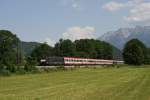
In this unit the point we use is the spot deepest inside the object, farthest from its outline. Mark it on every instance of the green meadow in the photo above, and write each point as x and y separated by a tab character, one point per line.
126	83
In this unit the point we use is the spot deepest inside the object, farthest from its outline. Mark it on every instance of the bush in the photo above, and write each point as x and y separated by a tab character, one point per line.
21	71
29	68
5	72
12	68
2	66
30	65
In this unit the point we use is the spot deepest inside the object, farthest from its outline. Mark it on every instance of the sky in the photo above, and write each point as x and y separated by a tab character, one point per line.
50	20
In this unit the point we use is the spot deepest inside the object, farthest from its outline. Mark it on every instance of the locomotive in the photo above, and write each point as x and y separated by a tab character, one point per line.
77	61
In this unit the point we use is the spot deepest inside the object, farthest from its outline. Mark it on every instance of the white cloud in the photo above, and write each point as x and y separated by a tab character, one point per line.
138	10
75	33
139	13
50	42
114	6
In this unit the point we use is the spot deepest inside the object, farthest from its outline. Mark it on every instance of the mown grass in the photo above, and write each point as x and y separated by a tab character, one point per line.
81	84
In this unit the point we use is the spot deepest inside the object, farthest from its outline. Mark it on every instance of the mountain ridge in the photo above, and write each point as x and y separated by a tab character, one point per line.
119	37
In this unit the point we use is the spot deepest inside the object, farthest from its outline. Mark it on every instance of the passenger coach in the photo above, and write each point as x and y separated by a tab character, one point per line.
77	61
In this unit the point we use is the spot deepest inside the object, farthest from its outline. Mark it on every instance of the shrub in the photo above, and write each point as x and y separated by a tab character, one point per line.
30	64
12	68
29	68
2	66
21	71
5	72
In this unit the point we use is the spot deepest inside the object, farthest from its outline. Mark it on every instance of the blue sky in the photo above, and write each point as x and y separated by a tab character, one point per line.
49	20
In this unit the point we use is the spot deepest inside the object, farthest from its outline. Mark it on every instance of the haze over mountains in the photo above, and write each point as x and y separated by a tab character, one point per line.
119	37
27	47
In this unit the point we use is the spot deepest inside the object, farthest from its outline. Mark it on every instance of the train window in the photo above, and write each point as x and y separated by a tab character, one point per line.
77	60
90	61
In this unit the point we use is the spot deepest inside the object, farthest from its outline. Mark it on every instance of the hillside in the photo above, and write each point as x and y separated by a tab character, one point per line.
121	36
27	47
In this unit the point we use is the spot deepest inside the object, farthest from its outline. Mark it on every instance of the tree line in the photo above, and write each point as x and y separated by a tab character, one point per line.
13	59
84	48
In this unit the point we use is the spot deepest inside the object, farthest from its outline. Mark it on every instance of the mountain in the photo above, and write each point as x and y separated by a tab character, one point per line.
27	47
121	36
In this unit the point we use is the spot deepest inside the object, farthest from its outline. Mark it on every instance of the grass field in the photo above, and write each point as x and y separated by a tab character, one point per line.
80	84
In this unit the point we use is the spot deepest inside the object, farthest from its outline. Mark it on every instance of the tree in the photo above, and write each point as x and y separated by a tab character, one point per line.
31	64
107	51
144	50
9	49
86	48
65	48
133	52
41	52
147	58
91	48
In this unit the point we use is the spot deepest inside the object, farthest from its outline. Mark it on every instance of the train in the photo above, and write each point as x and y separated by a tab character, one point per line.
77	61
